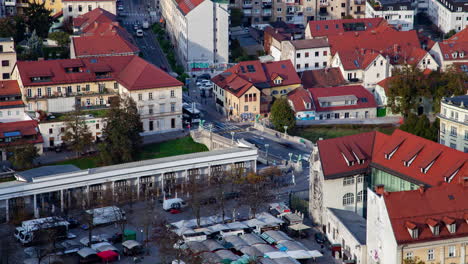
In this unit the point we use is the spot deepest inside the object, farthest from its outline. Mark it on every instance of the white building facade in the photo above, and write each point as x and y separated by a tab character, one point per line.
307	54
74	8
7	57
453	118
448	15
400	14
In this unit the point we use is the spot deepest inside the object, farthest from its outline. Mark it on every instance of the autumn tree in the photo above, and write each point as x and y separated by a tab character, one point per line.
13	26
22	155
415	260
282	115
197	195
77	134
255	192
121	134
62	38
421	126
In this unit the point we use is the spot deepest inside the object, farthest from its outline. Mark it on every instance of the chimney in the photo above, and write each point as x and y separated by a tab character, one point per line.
356	34
422	188
380	189
395	48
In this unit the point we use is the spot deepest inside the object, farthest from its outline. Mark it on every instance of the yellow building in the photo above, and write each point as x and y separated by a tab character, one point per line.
247	89
54	5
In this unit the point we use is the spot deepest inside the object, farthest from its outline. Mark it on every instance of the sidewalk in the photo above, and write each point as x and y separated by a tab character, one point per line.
351	121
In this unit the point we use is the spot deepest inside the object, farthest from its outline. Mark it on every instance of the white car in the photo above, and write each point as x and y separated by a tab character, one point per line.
139	33
120	8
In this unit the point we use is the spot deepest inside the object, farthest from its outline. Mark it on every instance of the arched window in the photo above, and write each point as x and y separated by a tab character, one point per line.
348	199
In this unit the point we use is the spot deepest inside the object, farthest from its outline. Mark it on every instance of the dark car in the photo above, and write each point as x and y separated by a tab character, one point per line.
204	76
73	222
320	238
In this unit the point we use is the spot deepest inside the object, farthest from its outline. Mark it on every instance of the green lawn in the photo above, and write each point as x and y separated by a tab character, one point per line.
7	179
313	133
180	146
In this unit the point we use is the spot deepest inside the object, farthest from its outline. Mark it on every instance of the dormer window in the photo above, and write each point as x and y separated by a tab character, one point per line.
434	226
412	229
452	228
278	81
73	69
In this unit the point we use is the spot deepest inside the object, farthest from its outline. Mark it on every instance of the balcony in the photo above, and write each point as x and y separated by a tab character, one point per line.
247	5
324	4
247	12
266	12
359	12
266	5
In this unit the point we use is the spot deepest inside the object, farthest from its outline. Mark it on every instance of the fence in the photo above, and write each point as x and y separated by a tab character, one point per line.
307	143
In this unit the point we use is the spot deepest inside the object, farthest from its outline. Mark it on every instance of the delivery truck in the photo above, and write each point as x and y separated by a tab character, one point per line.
37	230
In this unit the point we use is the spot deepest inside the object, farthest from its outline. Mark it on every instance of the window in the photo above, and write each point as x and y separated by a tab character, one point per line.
298	55
97	126
246	108
360	178
317	65
49	91
51	131
306	65
80	8
452	228
348	199
409	255
316	54
78	88
453	131
6	76
343	5
466	134
5	63
298	66
39	91
150	96
324	64
172	122
172	107
90	8
150	109
28	92
430	254
306	55
325	53
116	85
442	128
162	108
453	145
70	8
452	251
348	180
359	196
140	97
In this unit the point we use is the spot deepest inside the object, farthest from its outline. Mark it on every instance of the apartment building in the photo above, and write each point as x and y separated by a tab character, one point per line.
75	8
256	12
295	11
247	89
399	13
430	224
451	51
342	169
453	118
341	9
306	54
7	57
56	86
11	105
14	134
199	31
325	28
448	15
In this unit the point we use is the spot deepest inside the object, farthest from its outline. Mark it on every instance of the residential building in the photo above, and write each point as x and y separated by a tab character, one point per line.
452	50
430	224
255	12
11	106
98	46
7	57
16	134
92	19
300	100
398	13
342	168
248	87
294	12
448	15
56	86
78	189
75	8
306	54
325	28
199	31
327	77
348	230
453	118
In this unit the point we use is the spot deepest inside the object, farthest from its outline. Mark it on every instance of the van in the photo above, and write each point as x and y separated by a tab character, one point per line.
174	203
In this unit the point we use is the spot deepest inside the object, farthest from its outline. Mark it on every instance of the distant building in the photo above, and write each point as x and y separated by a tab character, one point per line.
7	57
306	54
301	102
448	15
92	19
327	77
430	224
453	118
452	50
199	31
11	104
399	13
75	8
325	28
98	46
14	134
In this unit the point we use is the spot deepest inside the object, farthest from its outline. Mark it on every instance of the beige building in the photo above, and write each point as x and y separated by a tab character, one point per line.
453	118
7	57
74	8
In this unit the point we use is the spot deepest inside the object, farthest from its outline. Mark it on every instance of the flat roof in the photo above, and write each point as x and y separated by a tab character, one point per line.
28	175
353	222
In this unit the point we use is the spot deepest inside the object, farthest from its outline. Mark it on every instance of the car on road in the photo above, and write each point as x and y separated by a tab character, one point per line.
120	8
139	33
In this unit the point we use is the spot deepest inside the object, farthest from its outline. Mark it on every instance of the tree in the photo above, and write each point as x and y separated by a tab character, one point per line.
38	18
255	192
421	126
77	134
22	156
450	34
282	115
196	194
236	17
13	26
121	134
7	244
34	48
415	260
62	38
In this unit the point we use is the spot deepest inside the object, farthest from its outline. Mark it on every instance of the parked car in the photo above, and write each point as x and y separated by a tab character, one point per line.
320	238
73	222
139	33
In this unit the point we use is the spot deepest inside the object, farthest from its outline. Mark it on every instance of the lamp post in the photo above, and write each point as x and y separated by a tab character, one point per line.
290	157
232	137
266	147
285	131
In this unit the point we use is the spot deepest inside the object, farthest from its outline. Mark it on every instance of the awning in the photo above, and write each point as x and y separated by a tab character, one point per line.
276	255
299	227
108	255
130	244
85	252
315	253
12	134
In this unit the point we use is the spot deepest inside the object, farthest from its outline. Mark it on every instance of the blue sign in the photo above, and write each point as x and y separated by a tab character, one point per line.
187	81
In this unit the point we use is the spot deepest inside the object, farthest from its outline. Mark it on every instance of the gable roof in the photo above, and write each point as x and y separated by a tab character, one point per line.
355	59
9	87
309	43
103	45
186	6
299	97
239	78
322	78
363	97
28	131
131	71
440	206
325	28
97	15
279	34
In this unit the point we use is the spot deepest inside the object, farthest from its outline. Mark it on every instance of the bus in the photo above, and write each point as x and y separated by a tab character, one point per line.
191	113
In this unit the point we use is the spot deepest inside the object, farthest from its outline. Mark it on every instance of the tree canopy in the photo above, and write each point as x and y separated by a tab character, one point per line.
282	115
62	38
22	156
13	26
121	134
77	135
421	126
38	18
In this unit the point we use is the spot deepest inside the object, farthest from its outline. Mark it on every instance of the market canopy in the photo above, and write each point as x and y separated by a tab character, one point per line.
299	227
86	251
108	255
130	244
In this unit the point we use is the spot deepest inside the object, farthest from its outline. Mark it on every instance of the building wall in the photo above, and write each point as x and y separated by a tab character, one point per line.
72	9
353	113
439	58
12	114
7	58
452	117
222	33
340	9
309	59
279	91
399	18
235	106
439	251
445	19
377	71
337	233
54	5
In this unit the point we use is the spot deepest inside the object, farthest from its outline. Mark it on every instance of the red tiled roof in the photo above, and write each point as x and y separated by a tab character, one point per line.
131	71
444	161
322	78
357	90
9	87
188	5
11	103
353	60
98	15
103	45
461	35
279	34
238	79
325	28
58	14
385	83
452	49
401	46
299	98
26	128
434	206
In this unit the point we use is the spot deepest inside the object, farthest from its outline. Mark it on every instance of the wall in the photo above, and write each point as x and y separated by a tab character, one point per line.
8	55
456	117
358	113
403	18
86	6
289	52
377	71
445	19
238	104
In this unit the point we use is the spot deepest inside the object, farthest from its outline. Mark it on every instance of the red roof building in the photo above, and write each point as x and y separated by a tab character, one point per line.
18	133
188	5
111	45
10	95
97	15
340	98
301	100
326	28
452	50
322	78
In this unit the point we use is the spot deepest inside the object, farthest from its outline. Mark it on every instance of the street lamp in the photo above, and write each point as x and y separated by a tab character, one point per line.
232	137
266	146
285	131
210	127
290	157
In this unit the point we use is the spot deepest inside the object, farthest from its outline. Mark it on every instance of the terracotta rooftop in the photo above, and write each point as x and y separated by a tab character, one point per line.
364	99
131	71
28	129
98	15
299	98
103	45
357	59
322	78
9	87
310	43
325	28
188	5
437	206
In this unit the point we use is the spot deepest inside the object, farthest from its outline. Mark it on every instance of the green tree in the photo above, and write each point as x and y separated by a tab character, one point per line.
22	156
62	38
404	90
121	134
13	26
421	126
282	115
38	18
77	135
450	34
236	16
33	48
415	260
